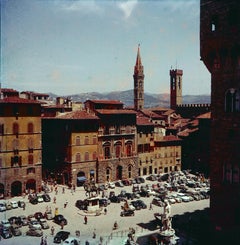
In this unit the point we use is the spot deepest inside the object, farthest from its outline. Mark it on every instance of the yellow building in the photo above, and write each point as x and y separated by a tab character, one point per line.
20	146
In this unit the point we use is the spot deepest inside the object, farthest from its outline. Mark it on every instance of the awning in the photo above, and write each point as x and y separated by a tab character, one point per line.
81	178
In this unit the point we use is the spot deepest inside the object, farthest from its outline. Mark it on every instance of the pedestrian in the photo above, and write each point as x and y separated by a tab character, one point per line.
94	234
62	225
52	231
150	206
24	206
54	200
87	243
85	219
65	204
63	190
105	211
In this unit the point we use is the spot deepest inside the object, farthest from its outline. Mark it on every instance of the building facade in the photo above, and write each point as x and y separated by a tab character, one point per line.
220	52
20	145
138	78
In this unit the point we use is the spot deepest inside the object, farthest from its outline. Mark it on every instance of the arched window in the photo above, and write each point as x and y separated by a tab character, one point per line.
129	148
118	149
94	156
108	174
30	143
77	140
107	153
78	157
15	128
232	100
30	128
86	140
86	156
94	139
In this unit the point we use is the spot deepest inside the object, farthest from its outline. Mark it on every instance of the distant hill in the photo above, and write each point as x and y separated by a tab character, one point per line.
150	100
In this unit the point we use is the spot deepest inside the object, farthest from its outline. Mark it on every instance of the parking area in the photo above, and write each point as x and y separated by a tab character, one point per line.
185	192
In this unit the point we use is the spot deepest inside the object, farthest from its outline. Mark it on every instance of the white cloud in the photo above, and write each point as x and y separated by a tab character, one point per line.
127	7
89	6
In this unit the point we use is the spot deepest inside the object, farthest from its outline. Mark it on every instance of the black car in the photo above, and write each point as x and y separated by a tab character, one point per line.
144	193
58	219
127	213
38	216
46	198
15	220
61	236
115	199
6	233
103	202
136	205
81	204
141	204
33	200
129	195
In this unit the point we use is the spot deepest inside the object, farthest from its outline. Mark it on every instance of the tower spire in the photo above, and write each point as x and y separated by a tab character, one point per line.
138	64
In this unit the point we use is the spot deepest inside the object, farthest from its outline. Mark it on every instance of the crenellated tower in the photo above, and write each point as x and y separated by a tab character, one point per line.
138	77
175	88
220	52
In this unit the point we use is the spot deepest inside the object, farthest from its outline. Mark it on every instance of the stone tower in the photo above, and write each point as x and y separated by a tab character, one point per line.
138	77
175	88
220	52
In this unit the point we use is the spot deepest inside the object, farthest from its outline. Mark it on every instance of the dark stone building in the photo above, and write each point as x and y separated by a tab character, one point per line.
220	52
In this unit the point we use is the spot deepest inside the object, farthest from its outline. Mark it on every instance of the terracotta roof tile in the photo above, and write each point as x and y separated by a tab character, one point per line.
78	114
115	111
17	100
116	102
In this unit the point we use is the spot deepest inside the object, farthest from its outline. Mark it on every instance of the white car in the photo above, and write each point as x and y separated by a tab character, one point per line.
14	204
34	224
40	198
111	185
5	224
72	241
2	207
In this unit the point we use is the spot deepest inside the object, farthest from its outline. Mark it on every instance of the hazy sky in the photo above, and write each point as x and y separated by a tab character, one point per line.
75	46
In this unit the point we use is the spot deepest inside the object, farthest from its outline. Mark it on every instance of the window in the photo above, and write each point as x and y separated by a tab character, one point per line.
129	149
106	147
108	174
214	23
94	139
94	155
1	129
232	100
179	83
30	128
30	143
30	159
15	128
31	171
86	156
173	83
129	171
77	140
78	157
86	140
118	149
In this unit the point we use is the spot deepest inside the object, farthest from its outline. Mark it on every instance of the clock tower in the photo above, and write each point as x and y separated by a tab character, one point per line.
138	77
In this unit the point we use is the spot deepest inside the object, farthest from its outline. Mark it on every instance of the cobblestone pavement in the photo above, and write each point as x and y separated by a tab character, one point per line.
143	221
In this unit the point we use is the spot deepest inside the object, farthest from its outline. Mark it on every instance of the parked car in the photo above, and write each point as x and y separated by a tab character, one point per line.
38	216
23	219
119	183
34	224
72	241
142	180
61	236
5	232
8	205
15	230
5	224
136	205
111	185
141	204
135	188
126	182
81	204
15	220
115	199
33	200
46	198
44	224
58	219
40	198
103	202
21	204
48	215
34	232
2	207
127	213
129	195
157	201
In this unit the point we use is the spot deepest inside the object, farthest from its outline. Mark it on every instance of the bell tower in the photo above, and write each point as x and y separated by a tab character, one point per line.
175	88
138	77
220	52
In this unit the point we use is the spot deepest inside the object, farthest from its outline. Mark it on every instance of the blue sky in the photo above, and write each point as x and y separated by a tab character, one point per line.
70	46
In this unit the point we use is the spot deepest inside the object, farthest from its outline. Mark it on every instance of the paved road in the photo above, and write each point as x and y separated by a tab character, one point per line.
102	224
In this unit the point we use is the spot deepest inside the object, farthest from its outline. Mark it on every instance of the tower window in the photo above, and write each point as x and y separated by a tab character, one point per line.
214	23
179	83
232	100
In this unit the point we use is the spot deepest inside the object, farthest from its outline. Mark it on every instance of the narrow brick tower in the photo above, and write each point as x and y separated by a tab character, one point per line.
175	88
220	52
138	77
